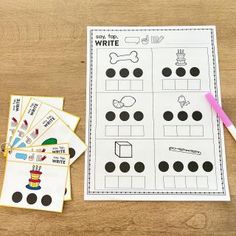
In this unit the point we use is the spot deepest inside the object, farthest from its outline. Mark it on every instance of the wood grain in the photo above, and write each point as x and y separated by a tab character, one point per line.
43	52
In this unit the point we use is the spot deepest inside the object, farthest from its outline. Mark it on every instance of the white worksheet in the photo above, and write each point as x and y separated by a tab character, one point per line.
151	134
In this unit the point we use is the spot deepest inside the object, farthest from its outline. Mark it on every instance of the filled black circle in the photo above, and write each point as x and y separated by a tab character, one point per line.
46	200
31	198
124	72
110	167
138	115
194	71
182	115
207	166
178	166
124	167
166	72
197	115
124	115
138	72
65	191
110	115
139	167
180	71
163	166
193	166
110	73
17	197
71	152
168	115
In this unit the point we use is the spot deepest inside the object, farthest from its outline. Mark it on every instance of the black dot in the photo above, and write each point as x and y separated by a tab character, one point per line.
207	166
168	115
31	198
124	167
46	200
65	191
197	115
163	166
178	166
124	72
139	167
166	72
110	115
194	71
180	71
138	115
124	115
182	115
193	166
110	73
17	197
110	167
138	72
71	152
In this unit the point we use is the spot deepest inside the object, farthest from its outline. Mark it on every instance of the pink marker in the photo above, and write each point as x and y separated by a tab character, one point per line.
227	122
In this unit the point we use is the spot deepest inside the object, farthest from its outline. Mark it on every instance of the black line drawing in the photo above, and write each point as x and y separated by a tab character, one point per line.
124	130
184	182
123	149
126	101
180	60
134	40
183	130
132	56
185	150
157	39
182	101
145	40
184	84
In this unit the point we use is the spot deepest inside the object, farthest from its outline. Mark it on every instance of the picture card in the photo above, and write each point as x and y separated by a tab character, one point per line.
151	133
33	113
18	104
52	130
35	183
55	148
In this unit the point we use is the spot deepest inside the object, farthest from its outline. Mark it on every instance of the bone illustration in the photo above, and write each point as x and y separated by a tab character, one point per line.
126	101
182	101
133	57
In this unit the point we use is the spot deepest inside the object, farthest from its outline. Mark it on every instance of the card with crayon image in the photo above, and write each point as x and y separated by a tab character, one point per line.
52	130
33	113
18	104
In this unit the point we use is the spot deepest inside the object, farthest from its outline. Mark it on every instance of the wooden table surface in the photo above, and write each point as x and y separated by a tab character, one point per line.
43	52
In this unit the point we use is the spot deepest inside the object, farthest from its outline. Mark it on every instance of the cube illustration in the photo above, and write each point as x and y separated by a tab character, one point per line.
123	149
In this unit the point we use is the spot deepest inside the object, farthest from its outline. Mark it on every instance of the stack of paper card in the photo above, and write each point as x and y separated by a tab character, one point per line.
40	147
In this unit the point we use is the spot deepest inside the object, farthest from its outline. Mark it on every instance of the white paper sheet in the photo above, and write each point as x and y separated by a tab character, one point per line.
151	133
